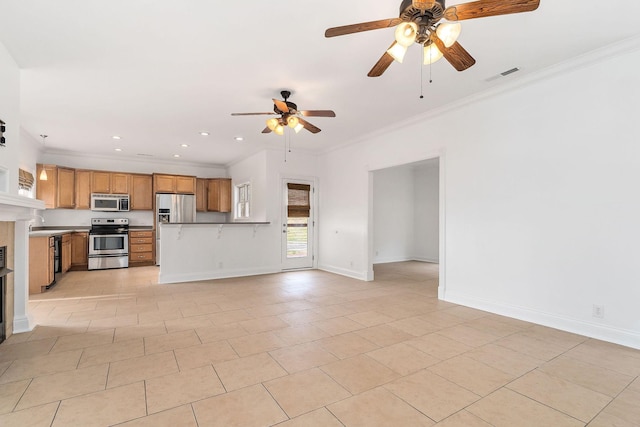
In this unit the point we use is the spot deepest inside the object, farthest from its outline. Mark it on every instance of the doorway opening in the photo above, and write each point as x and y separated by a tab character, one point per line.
406	219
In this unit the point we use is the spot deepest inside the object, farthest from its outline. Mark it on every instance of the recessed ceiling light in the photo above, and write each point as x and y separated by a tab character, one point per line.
116	137
118	149
184	145
176	155
204	133
239	138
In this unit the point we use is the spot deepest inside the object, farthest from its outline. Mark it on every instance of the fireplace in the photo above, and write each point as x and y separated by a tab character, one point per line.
3	293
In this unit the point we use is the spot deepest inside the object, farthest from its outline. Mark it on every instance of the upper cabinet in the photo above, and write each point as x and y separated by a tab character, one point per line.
219	195
58	190
141	192
83	189
110	182
201	194
66	188
174	184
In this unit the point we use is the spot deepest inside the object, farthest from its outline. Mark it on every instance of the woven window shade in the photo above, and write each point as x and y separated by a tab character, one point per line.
25	179
298	205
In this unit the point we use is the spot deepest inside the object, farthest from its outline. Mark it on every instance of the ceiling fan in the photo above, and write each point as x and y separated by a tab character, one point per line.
289	116
419	22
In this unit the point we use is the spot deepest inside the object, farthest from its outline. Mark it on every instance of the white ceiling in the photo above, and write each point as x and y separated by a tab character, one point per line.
157	72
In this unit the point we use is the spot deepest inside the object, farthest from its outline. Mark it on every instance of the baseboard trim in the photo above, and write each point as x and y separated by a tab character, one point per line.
344	272
22	324
607	333
164	279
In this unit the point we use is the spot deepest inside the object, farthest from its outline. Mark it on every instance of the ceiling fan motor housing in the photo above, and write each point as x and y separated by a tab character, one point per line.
410	13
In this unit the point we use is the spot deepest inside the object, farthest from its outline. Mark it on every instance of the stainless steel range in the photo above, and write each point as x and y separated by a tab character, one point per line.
108	243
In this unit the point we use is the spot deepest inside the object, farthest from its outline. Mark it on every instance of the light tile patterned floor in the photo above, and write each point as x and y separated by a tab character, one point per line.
304	348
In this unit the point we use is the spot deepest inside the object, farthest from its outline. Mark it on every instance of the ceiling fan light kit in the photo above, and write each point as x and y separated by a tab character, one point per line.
419	22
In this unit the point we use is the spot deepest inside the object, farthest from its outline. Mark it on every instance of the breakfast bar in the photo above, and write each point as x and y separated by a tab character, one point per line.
215	250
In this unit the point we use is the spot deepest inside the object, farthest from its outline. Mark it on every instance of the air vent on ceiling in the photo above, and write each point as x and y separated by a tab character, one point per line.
144	155
503	74
511	71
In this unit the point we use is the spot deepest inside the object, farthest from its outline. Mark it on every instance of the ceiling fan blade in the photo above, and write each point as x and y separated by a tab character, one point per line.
308	126
363	26
252	114
281	105
266	130
317	113
382	64
484	8
455	54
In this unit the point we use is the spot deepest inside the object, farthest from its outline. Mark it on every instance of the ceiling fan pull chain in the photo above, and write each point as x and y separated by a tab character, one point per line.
422	76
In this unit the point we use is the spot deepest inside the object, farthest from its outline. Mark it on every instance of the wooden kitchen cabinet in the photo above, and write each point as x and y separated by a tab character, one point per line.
79	250
185	184
201	194
66	252
219	195
83	189
141	243
58	191
120	183
164	183
174	184
110	182
100	182
41	263
141	192
66	188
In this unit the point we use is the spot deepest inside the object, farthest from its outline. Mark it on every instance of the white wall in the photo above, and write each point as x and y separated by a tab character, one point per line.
540	190
426	211
393	214
10	114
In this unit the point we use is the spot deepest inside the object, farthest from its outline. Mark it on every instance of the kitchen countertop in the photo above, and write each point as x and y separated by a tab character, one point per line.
55	232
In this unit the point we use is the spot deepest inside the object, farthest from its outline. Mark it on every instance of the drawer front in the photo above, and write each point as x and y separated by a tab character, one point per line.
144	256
140	240
141	248
134	234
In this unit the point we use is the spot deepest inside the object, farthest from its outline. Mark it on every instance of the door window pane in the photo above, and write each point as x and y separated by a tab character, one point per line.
297	237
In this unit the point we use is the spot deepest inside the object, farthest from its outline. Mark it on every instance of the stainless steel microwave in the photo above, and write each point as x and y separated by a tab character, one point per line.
109	202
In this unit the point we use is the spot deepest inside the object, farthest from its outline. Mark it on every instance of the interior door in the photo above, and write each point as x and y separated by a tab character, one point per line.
297	224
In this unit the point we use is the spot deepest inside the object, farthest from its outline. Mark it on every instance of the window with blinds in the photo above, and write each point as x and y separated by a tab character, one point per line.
298	200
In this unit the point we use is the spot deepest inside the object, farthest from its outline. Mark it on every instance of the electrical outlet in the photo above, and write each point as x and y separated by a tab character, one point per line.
220	264
598	311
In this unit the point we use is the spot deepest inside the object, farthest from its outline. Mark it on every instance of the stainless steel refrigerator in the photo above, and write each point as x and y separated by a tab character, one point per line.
172	208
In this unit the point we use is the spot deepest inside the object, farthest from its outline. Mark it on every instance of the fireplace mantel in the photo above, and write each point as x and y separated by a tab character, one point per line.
19	210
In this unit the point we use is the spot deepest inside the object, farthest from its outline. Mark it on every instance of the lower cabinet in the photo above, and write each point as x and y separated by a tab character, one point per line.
41	263
79	251
66	252
141	248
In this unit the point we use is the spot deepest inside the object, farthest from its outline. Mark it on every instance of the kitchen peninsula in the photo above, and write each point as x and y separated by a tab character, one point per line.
215	250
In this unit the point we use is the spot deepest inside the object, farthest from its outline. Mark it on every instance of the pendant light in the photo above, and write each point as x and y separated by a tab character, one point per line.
43	172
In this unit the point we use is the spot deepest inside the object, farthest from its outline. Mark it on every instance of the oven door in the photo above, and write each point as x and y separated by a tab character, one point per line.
108	244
